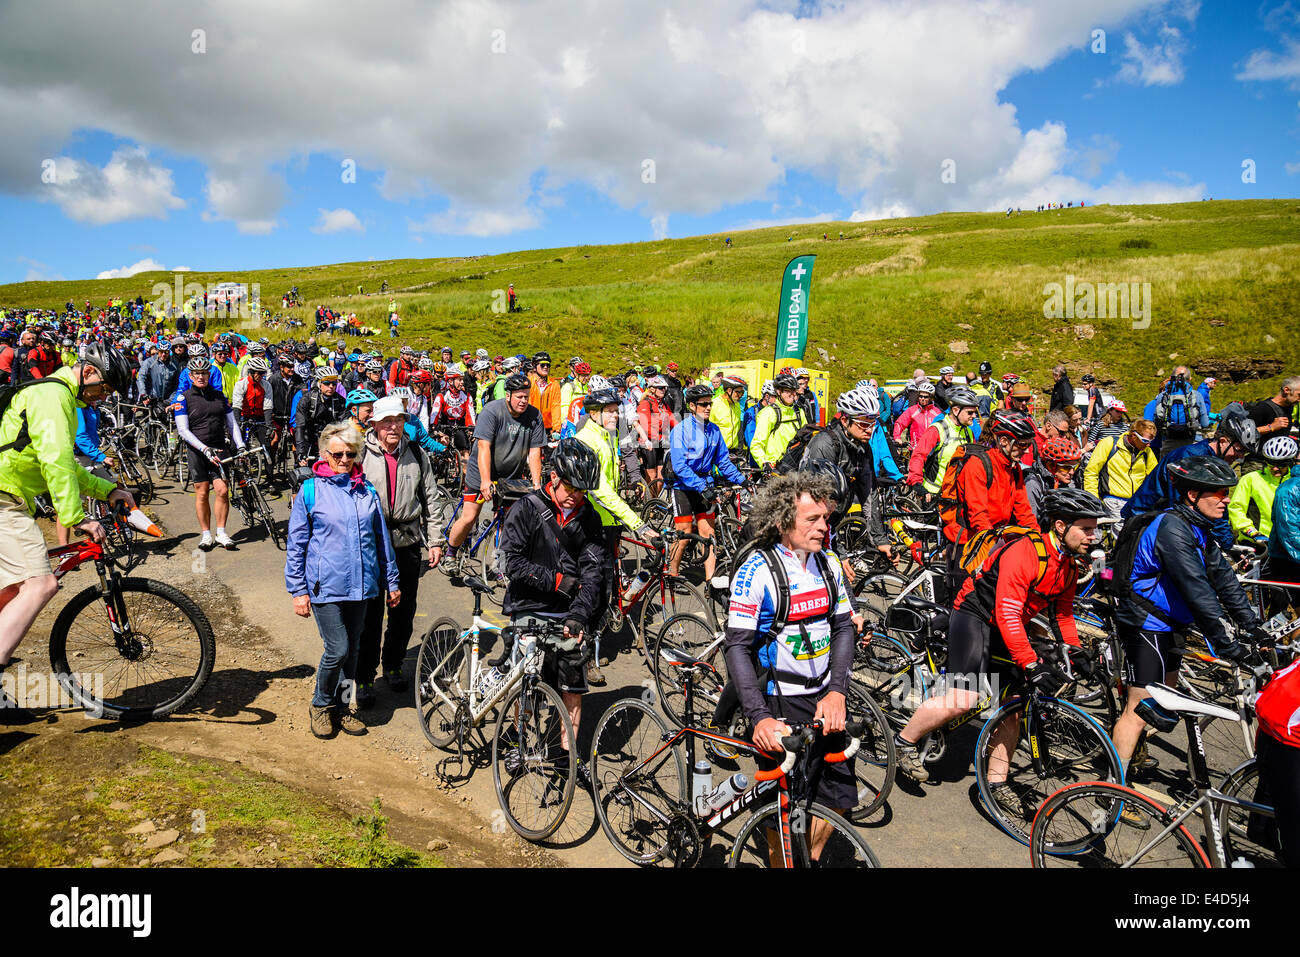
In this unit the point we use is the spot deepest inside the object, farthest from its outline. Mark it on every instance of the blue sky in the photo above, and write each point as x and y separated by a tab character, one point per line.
486	128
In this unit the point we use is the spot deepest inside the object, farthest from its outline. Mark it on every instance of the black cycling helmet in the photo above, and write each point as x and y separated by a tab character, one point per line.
962	398
1010	422
599	399
986	366
694	393
575	463
1242	430
112	365
618	382
839	481
785	383
1201	473
541	357
518	383
1088	378
1071	504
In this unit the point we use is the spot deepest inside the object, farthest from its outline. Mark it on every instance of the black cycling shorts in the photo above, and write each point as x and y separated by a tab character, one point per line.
834	785
1150	656
459	440
689	505
650	458
975	648
201	470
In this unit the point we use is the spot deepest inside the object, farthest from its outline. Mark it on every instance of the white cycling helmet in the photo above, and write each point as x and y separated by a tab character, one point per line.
482	365
858	404
657	382
598	382
924	388
768	388
1280	450
510	364
401	392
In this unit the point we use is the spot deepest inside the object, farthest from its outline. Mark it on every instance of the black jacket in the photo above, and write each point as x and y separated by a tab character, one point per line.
1062	394
836	445
315	411
541	556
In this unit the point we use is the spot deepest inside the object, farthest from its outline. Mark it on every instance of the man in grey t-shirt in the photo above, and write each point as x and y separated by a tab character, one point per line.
508	438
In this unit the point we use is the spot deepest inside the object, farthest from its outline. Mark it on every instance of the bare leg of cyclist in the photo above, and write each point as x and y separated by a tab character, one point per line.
201	505
710	560
460	529
675	558
572	704
936	711
1003	742
19	606
1129	727
221	508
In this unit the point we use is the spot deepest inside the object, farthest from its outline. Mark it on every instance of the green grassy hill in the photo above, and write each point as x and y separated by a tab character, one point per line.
954	288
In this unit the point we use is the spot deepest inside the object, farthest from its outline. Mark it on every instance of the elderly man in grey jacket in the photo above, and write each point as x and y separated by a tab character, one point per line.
413	507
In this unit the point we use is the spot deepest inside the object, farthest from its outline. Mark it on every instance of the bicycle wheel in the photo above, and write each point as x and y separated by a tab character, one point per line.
691	634
441	680
493	563
534	774
1228	744
1248	836
844	846
147	665
1072	746
879	591
883	667
636	797
267	518
1103	824
657	512
877	759
668	597
131	472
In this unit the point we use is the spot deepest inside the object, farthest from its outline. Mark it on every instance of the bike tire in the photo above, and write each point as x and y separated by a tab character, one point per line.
268	519
627	735
692	634
876	762
536	799
492	564
1247	836
668	597
1074	746
1084	825
845	847
172	646
443	660
132	472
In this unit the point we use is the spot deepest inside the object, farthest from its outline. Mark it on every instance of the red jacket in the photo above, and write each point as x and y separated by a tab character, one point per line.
42	360
1278	706
1004	593
400	374
988	506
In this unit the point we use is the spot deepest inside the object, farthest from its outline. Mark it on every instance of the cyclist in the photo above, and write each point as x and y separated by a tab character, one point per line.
508	440
1277	752
789	635
555	557
728	409
1284	543
1119	465
403	367
776	424
1022	577
229	372
1179	578
360	406
943	387
697	450
912	423
319	406
806	397
163	378
932	452
43	358
544	395
1110	424
1179	413
374	380
36	458
1273	416
206	423
1055	468
1250	509
654	424
571	392
253	407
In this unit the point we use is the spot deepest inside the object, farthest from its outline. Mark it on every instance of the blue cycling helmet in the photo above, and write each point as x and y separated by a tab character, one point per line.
359	397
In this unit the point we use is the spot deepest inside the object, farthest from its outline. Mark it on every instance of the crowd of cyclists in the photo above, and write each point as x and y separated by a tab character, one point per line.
390	461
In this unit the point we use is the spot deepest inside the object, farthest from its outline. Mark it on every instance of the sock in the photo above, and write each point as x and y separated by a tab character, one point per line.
206	536
221	530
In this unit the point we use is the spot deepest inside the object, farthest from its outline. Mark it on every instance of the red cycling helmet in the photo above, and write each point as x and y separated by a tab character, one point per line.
582	368
1062	451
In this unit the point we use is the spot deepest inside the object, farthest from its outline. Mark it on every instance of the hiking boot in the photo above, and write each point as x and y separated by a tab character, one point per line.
365	695
349	723
910	761
322	723
396	680
594	675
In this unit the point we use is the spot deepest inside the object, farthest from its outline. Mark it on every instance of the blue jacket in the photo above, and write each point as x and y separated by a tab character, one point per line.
87	441
417	433
696	451
214	378
341	552
1156	492
1204	392
1284	542
748	423
885	464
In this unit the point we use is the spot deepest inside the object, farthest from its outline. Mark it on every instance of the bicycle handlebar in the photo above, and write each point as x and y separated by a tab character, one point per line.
805	734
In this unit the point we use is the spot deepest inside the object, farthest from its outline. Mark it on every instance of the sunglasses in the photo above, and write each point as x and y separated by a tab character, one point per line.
1144	439
865	423
349	454
543	365
571	490
704	405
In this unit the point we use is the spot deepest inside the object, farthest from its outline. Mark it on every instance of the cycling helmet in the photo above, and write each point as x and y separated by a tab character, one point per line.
510	365
481	354
257	349
802	373
986	367
785	383
284	359
960	397
499	359
927	388
1062	450
1088	378
300	348
542	357
947	370
422	377
768	388
1116	405
1071	504
326	374
864	384
67	343
452	373
597	383
1017	425
401	392
256	365
359	397
1201	473
374	365
1280	450
617	382
574	361
112	365
426	363
839	481
407	351
439	368
858	404
657	382
599	398
694	393
1010	379
575	463
199	364
517	383
1241	430
482	365
732	382
197	350
582	368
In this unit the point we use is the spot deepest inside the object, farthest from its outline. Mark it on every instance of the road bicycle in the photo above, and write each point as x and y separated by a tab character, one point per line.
245	495
533	766
644	781
484	540
641	575
1105	824
127	648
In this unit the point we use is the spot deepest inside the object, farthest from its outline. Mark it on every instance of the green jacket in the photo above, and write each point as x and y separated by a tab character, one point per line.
47	464
1256	488
774	427
727	417
609	504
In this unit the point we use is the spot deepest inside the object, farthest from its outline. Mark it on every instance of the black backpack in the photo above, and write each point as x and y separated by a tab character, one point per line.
1118	582
794	452
7	393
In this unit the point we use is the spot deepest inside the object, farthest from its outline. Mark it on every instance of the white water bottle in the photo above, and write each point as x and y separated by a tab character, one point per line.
635	585
701	786
726	792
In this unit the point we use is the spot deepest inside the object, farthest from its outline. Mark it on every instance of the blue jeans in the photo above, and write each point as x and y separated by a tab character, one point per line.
340	624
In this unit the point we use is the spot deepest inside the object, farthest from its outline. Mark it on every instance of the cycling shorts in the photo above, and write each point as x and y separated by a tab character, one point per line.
689	505
1150	656
201	470
459	440
975	648
651	458
834	785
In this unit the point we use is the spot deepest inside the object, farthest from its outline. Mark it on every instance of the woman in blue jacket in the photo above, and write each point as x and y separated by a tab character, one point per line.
339	556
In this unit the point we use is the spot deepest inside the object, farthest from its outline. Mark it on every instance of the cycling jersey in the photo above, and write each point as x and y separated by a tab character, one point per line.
774	427
1114	470
914	422
1250	510
726	416
1278	706
656	422
609	504
944	434
450	408
205	413
989	504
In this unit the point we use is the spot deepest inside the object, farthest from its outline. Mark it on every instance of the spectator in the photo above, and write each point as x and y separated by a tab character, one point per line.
1062	392
1273	416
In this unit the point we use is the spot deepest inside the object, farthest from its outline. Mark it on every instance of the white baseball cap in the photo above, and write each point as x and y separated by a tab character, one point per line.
387	407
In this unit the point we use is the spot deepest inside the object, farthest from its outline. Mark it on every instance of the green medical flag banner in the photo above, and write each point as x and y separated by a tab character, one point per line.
792	317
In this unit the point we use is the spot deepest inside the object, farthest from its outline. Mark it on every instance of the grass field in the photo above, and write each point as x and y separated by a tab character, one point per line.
954	288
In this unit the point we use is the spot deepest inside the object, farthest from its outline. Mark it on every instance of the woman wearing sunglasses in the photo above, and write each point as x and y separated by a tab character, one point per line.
339	557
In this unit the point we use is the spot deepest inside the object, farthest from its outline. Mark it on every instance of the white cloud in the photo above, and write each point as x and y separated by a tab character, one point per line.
38	271
128	187
884	211
181	269
337	221
1269	65
477	222
247	195
1292	169
659	225
1157	64
126	272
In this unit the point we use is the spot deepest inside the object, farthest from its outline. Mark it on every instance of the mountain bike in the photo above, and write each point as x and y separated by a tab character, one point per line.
643	774
127	648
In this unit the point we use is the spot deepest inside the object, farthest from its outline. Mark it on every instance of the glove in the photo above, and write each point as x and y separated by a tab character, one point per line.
1043	678
1261	544
749	487
710	495
1233	651
575	627
1082	663
1260	636
211	455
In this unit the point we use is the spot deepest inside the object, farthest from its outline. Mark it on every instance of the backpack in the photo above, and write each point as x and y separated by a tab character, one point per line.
952	511
1173	412
794	452
1103	477
1117	580
308	490
7	393
976	551
930	468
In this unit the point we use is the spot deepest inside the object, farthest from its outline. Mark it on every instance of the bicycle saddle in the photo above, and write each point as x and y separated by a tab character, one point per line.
474	583
1176	701
683	659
